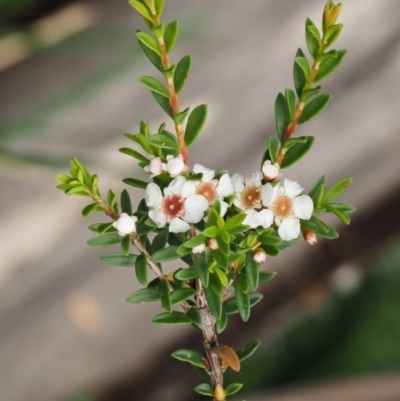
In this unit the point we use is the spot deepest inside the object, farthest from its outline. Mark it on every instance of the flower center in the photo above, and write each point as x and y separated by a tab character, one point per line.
172	206
251	197
282	207
208	190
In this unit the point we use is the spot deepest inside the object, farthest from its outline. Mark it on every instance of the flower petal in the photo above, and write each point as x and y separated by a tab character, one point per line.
256	178
125	224
269	194
303	207
158	217
292	188
265	218
175	187
237	182
270	171
195	206
224	208
225	187
175	166
178	226
208	174
289	229
250	219
188	189
153	195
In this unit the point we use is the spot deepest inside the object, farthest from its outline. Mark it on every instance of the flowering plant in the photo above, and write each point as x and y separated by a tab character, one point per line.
222	226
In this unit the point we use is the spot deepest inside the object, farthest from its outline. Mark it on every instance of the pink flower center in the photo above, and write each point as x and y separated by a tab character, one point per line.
282	207
208	190
251	197
172	206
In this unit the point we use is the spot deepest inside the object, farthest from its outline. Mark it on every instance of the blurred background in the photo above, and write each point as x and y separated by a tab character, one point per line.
330	321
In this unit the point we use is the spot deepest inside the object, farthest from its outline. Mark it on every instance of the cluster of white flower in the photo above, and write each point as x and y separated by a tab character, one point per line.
185	202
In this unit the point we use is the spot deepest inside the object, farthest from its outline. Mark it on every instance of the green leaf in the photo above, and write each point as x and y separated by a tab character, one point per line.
126	244
195	316
141	9
62	178
154	85
190	356
170	35
343	207
171	319
149	41
314	107
141	270
164	103
230	306
252	267
187	274
315	193
311	38
234	221
242	283
89	209
220	258
182	71
291	102
332	34
222	323
165	254
330	65
135	154
154	58
144	295
165	295
304	66
195	241
337	189
298	75
248	350
342	216
242	302
159	4
180	118
182	294
214	302
135	183
269	239
233	388
211	232
119	259
141	140
295	153
265	276
126	205
271	250
104	240
320	228
216	284
160	240
202	267
310	93
273	146
164	141
282	115
196	121
204	389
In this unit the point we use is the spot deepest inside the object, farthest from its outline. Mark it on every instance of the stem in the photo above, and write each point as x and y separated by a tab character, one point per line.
173	97
210	340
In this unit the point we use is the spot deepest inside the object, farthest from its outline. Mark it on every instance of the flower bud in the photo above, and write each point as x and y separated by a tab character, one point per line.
156	167
219	393
309	236
259	256
270	171
212	244
199	248
125	224
175	165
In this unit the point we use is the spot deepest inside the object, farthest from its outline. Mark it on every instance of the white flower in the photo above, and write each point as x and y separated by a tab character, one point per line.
178	206
264	218
213	189
155	167
125	224
270	171
248	192
288	207
260	256
175	165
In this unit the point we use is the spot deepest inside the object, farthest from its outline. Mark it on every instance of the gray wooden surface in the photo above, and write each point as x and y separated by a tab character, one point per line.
64	323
